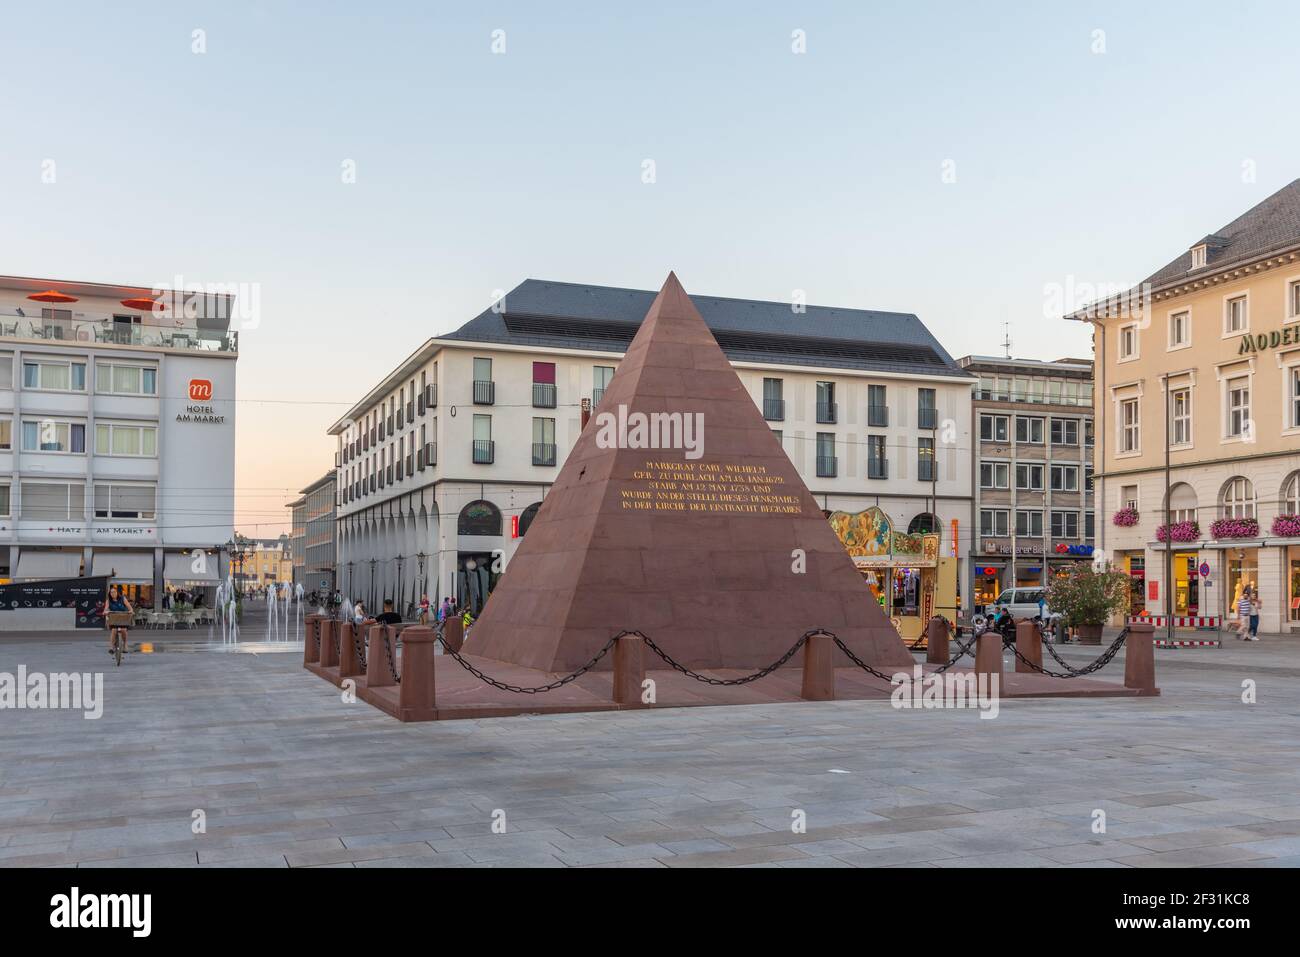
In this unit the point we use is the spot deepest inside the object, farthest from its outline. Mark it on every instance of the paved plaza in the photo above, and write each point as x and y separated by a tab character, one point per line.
285	773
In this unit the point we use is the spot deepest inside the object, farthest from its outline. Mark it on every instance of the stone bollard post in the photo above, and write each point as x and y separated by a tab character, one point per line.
328	630
349	661
416	698
936	641
988	655
1029	642
1140	659
311	639
453	633
629	670
378	673
818	669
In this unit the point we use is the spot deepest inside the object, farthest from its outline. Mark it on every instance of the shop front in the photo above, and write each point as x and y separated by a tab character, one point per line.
904	572
1134	564
987	585
1242	571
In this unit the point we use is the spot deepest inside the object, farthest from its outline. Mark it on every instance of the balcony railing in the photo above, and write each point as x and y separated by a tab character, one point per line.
596	396
925	470
1031	398
431	454
543	395
485	392
927	418
877	468
878	416
431	396
826	466
543	453
484	452
191	339
774	410
410	463
826	412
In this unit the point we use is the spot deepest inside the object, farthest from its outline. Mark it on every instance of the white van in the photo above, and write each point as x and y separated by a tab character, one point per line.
1023	603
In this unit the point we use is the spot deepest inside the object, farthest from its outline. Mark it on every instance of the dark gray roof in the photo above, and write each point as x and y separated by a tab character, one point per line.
1272	225
571	316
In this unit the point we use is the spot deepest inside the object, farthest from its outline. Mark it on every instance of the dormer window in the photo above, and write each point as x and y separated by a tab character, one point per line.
1198	256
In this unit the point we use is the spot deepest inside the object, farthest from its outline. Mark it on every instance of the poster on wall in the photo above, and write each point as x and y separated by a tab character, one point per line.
83	594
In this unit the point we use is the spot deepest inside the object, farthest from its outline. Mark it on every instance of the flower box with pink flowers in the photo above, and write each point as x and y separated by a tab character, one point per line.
1126	517
1287	526
1235	528
1181	532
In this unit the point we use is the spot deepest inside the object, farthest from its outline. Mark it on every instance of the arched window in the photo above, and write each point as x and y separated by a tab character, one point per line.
924	523
1290	504
480	517
1238	498
1182	504
526	518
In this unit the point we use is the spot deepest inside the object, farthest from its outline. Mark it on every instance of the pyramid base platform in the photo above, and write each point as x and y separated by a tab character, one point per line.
458	694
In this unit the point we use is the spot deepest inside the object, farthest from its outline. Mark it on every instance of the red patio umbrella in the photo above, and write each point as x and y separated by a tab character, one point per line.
52	295
145	303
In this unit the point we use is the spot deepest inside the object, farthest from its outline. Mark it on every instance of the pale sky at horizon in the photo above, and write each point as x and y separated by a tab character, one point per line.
775	171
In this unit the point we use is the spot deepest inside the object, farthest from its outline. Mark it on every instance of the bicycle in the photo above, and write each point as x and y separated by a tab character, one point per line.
117	622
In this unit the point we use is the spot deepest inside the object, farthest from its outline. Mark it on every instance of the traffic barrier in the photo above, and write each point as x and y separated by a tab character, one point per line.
988	655
1029	644
416	700
818	669
1199	622
936	640
349	659
1139	659
629	669
380	665
329	649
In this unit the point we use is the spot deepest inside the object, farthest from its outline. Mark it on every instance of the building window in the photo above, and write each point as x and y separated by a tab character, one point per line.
1293	299
117	379
1198	257
993	522
1065	524
1128	344
6	434
1291	495
1029	430
774	400
925	460
53	501
1130	439
1089	526
544	385
1182	503
6	505
1293	395
600	379
1238	498
1236	315
877	464
1087	477
826	464
1065	431
112	438
927	414
484	449
993	428
125	501
1238	411
484	386
1065	478
994	475
55	376
49	435
826	402
543	441
1029	478
1180	330
1181	416
1029	524
1128	497
877	407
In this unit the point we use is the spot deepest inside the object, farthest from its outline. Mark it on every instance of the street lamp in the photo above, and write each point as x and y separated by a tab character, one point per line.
420	557
400	595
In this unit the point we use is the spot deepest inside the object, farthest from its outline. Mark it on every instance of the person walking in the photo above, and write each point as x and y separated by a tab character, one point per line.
424	609
1255	606
1243	614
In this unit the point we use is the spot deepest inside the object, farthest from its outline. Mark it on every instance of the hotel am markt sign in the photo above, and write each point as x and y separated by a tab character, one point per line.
201	393
1289	336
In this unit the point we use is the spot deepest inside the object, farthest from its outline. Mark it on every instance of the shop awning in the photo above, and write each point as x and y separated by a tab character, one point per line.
127	568
35	565
179	569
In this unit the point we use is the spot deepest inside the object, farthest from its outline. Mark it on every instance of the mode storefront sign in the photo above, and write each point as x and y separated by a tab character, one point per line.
1262	342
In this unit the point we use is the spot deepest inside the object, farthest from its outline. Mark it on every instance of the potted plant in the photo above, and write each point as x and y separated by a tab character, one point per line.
1180	532
1235	528
1086	599
1287	526
1126	517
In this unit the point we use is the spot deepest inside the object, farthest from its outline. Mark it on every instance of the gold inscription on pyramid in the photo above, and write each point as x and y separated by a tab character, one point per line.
707	488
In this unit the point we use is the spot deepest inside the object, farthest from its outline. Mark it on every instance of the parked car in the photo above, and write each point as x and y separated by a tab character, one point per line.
1024	603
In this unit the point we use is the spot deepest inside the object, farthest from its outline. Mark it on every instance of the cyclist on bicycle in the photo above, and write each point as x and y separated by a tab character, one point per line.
116	603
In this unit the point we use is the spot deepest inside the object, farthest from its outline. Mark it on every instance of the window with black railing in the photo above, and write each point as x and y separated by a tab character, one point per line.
485	392
877	464
484	451
925	461
826	466
826	412
826	462
543	453
878	416
927	414
543	395
774	409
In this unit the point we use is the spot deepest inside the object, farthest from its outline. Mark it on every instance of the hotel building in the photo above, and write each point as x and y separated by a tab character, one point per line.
1201	363
1032	484
443	464
117	435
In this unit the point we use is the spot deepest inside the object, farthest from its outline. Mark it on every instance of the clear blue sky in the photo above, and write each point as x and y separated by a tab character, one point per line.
775	171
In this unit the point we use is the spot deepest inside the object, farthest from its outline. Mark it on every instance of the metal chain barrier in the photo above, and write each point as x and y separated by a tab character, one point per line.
962	652
388	653
1101	662
558	683
362	644
854	658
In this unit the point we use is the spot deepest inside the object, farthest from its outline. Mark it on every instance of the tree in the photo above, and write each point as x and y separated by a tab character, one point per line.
1084	597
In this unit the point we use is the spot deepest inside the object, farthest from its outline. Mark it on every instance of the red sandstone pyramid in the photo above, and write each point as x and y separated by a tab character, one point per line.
697	553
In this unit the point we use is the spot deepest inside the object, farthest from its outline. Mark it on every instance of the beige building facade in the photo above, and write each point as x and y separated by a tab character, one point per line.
1200	367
